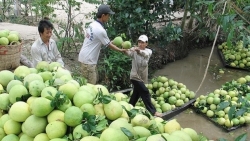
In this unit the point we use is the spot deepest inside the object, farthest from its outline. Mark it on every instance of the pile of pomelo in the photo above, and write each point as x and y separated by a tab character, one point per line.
8	37
47	104
237	55
168	94
229	105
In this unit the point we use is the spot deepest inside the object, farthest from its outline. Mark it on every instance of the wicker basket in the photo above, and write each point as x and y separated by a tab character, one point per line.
10	56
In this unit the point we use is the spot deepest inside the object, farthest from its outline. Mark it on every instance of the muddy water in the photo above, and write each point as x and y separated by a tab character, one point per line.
190	71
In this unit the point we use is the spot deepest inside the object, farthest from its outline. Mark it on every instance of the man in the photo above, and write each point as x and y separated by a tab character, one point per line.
95	37
140	56
45	48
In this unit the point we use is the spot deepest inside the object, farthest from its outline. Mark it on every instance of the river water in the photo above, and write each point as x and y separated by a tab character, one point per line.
190	71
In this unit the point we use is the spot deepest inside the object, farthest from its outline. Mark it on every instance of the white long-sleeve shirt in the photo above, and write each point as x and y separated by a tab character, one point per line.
140	61
41	52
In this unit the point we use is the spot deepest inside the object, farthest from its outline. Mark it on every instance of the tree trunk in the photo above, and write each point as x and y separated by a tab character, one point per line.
17	8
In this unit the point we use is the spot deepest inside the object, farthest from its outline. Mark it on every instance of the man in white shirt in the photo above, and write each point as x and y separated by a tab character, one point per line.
95	37
45	48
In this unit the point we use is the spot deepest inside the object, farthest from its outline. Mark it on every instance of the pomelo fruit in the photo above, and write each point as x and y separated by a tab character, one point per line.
89	108
4	101
55	115
42	66
41	107
49	92
113	110
142	131
126	45
156	137
192	133
13	38
3	120
36	87
99	109
12	127
56	129
79	132
42	137
141	120
2	134
46	75
53	65
171	126
13	83
90	138
6	76
25	137
34	125
120	96
73	116
102	88
4	41
65	105
82	97
69	90
19	111
182	134
121	122
112	134
10	137
61	72
75	83
4	33
22	71
118	41
17	91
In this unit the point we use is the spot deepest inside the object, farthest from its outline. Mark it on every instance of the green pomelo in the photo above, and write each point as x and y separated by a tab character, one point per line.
99	109
56	129
182	134
3	120
59	139
41	107
12	127
25	137
126	45
10	137
172	126
73	116
75	83
103	89
142	139
31	77
4	33
160	126
55	115
6	76
13	83
118	41
90	138
121	122
66	78
4	101
4	41
82	97
34	125
13	38
89	108
156	137
88	88
192	133
69	89
61	72
53	65
42	66
126	105
120	96
2	134
49	92
65	105
33	70
36	87
166	107
41	137
113	110
46	75
79	132
22	71
174	138
142	131
30	100
17	91
19	111
141	120
112	134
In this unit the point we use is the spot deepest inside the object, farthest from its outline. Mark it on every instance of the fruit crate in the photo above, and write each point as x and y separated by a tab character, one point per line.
169	114
216	124
225	64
